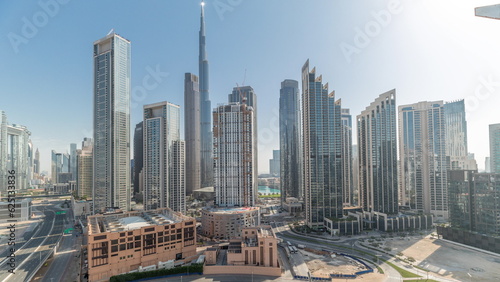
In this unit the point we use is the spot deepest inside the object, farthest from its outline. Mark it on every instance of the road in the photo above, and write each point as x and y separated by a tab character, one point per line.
36	250
63	265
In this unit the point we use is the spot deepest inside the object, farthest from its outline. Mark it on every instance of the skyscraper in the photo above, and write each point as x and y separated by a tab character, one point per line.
164	160
111	123
495	148
274	164
378	176
72	161
347	185
192	132
37	162
206	170
322	150
84	164
456	136
290	140
18	156
65	163
3	151
235	171
138	155
423	161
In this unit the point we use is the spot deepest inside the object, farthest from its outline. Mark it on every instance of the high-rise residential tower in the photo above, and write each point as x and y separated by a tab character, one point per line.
235	170
164	159
72	161
290	140
192	132
138	156
423	160
206	158
495	148
456	136
322	150
378	161
84	164
111	123
347	185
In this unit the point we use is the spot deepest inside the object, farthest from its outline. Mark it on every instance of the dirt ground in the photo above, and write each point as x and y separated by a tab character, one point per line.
323	266
447	259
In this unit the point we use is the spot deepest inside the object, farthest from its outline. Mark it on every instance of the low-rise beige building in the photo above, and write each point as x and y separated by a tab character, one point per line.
227	223
136	241
256	252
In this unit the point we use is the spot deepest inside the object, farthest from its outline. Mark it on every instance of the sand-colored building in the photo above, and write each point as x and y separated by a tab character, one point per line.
135	241
227	223
256	252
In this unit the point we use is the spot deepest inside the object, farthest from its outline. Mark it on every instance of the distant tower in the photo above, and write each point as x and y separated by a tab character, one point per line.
84	164
164	159
274	164
456	136
3	150
192	132
495	148
290	140
37	162
111	123
206	170
322	149
72	161
234	155
138	156
378	175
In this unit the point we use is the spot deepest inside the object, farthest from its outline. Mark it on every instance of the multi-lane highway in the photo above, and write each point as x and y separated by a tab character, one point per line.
35	251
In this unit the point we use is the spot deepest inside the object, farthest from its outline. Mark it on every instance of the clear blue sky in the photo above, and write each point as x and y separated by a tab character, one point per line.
426	50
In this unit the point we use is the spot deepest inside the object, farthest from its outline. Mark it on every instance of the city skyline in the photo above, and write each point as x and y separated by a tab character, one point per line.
438	72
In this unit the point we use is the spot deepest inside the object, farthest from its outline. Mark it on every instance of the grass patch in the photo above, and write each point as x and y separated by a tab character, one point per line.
270	196
403	272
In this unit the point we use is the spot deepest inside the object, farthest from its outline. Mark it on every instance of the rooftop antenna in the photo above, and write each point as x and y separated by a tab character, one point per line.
111	31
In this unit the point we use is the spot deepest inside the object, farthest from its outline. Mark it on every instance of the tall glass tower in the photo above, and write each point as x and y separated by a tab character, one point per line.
206	170
456	136
163	167
322	150
495	148
377	153
192	131
290	140
423	161
111	123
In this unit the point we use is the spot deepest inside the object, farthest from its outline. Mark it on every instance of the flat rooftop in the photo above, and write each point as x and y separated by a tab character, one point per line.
127	221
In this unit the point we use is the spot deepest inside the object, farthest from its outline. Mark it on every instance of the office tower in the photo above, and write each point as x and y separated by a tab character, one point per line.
355	176
18	156
164	179
235	171
423	160
206	158
378	176
347	186
322	149
456	136
290	140
487	167
192	132
495	148
274	164
72	161
111	123
138	156
3	151
36	162
65	163
30	162
85	163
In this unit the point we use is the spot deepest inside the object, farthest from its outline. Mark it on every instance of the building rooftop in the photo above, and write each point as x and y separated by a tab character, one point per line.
118	222
232	210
